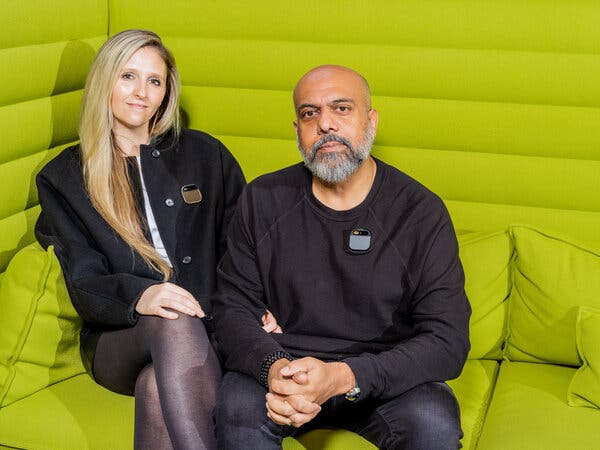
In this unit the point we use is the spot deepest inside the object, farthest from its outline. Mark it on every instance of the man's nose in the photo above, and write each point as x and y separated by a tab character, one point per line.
327	123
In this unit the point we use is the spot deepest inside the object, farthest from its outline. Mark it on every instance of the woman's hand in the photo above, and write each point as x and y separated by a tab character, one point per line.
270	323
165	300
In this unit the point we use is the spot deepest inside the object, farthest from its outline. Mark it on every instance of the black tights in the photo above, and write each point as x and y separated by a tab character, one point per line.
172	369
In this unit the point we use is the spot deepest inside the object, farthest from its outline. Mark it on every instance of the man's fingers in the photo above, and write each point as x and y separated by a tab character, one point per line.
286	387
300	377
301	405
294	367
278	405
299	419
278	419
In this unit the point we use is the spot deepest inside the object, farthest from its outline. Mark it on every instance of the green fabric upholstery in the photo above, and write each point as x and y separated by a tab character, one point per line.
552	277
493	105
481	101
474	389
529	411
107	424
329	440
584	389
39	329
485	259
45	51
74	414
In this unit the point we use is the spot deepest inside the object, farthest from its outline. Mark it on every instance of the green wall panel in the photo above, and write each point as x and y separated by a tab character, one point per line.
31	22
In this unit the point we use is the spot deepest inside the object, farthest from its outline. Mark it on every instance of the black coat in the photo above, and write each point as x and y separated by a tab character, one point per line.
105	278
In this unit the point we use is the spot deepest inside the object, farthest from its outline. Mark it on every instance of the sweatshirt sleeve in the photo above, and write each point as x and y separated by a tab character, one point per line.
99	296
440	313
238	304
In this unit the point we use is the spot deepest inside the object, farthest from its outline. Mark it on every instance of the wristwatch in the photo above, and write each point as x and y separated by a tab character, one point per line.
352	394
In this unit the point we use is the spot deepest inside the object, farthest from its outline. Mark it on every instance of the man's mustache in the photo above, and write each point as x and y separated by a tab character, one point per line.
329	138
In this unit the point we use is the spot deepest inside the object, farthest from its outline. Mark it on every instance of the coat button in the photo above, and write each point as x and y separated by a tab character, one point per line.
155	153
186	259
169	202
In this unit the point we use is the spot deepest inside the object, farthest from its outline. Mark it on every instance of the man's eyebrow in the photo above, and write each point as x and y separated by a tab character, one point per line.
341	100
306	105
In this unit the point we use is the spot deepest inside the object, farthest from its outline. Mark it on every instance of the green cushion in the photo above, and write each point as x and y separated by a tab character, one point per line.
39	329
552	277
485	259
473	389
74	414
584	389
529	411
330	440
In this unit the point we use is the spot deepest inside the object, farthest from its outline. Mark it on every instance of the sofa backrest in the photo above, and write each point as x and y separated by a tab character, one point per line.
45	51
493	105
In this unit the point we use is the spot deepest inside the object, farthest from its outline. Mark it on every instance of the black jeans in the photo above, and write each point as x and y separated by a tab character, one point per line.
426	417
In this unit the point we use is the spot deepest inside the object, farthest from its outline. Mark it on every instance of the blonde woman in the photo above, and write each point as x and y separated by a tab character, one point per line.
138	213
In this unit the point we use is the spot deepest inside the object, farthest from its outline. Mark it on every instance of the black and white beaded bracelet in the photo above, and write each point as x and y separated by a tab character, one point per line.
268	362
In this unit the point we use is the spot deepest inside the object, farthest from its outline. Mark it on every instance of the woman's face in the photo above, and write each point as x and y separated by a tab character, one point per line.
138	93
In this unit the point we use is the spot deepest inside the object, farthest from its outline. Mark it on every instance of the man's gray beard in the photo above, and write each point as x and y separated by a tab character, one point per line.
335	167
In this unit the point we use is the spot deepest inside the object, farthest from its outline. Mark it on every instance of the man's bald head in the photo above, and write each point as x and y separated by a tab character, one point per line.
331	73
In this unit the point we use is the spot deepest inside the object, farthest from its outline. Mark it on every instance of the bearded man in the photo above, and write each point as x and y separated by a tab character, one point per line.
359	264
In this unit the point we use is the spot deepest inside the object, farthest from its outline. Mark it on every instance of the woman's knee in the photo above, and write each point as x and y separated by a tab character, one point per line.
180	330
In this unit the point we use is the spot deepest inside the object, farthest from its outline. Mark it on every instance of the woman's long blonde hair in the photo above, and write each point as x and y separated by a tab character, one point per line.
104	166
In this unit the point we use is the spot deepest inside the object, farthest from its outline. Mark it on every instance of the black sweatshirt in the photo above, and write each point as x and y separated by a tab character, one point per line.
396	313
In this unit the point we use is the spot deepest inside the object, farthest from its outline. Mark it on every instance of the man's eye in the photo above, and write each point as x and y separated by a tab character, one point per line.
343	108
308	114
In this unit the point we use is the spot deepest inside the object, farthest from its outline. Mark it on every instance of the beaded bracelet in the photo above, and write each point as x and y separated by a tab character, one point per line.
268	362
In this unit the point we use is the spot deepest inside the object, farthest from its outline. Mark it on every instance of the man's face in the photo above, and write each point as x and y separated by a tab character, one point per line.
335	127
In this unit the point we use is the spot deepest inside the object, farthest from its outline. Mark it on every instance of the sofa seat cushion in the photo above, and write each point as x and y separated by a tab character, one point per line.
529	411
473	389
74	414
79	414
326	439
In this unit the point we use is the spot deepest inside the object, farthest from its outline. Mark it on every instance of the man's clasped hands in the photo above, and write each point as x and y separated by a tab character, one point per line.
298	388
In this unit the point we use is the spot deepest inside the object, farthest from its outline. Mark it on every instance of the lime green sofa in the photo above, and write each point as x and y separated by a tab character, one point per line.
493	104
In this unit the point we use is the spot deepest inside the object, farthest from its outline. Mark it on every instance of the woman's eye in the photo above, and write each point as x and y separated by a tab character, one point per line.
155	81
127	76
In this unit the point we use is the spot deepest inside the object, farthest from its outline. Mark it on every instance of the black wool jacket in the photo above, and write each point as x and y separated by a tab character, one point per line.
105	278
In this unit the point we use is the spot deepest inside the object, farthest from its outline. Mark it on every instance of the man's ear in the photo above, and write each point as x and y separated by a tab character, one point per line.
295	126
373	120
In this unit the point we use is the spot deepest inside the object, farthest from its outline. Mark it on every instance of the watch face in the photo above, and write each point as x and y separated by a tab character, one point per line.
352	394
